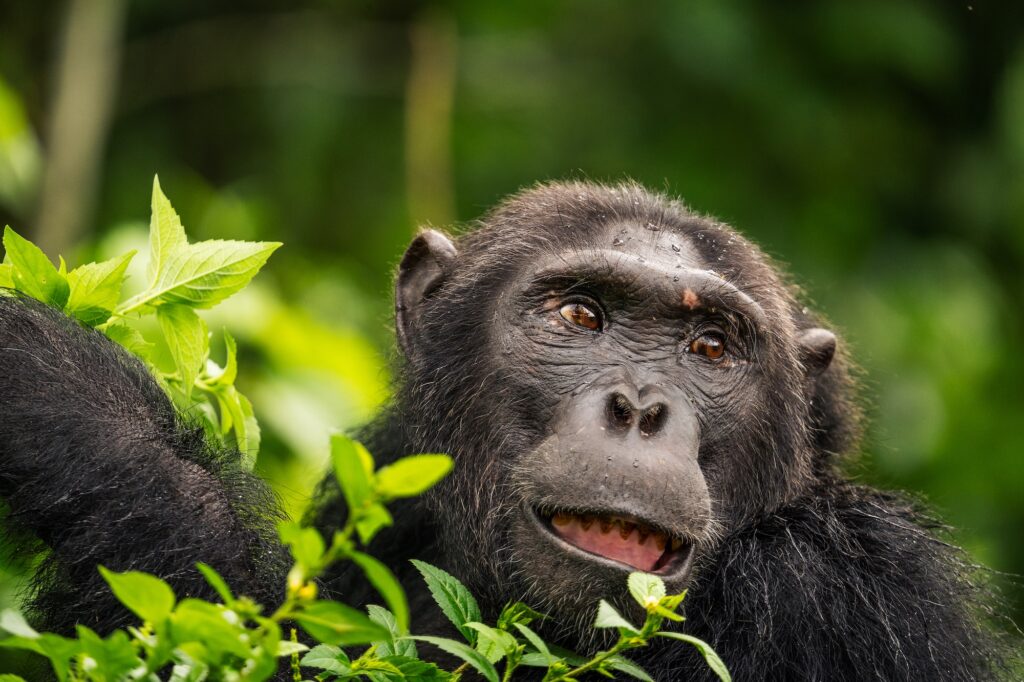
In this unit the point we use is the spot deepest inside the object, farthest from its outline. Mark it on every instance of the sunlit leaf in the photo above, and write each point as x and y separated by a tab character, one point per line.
188	340
147	596
471	656
456	602
334	623
33	273
713	660
608	617
96	289
412	475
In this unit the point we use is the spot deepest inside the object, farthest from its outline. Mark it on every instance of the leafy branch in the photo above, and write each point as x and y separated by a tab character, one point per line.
192	640
182	278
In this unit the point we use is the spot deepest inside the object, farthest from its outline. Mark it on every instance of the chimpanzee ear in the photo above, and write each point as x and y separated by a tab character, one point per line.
423	268
817	347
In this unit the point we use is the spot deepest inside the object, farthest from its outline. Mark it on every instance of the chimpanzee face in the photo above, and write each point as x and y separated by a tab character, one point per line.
638	378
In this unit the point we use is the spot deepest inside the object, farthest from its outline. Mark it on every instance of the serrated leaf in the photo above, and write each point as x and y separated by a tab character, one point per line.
393	645
493	643
202	275
326	657
348	458
455	600
412	475
647	589
334	623
33	273
385	582
471	656
147	596
130	338
624	665
608	617
188	340
96	289
166	233
713	660
414	670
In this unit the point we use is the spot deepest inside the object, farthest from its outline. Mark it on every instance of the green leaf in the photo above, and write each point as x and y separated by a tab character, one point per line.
15	624
411	476
147	596
307	545
326	657
471	656
113	656
373	518
287	648
647	589
608	617
216	627
414	670
96	289
517	612
188	341
385	582
333	623
538	643
252	431
494	644
456	602
393	645
197	275
227	375
216	582
348	457
33	273
8	677
6	275
166	233
624	665
130	338
713	660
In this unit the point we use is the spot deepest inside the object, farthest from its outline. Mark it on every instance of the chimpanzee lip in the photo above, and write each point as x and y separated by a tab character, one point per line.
675	561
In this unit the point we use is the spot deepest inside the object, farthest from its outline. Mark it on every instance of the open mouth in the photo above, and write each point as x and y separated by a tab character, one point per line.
622	539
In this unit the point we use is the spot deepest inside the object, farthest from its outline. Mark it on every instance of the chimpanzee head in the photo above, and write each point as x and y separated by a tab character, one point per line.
621	382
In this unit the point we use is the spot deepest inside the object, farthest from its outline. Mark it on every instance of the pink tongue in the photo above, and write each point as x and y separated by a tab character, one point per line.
611	545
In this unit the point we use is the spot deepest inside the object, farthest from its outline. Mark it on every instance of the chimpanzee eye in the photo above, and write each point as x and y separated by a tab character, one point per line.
710	344
581	316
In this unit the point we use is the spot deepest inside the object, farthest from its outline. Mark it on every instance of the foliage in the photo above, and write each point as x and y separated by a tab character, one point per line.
182	277
194	640
235	640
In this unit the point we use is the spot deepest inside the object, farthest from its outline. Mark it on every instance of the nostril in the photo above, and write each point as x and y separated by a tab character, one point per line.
620	412
653	419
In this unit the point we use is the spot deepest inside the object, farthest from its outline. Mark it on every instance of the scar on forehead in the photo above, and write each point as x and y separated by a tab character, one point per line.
690	299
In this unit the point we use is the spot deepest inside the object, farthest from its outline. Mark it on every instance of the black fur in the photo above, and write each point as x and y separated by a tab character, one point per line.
807	576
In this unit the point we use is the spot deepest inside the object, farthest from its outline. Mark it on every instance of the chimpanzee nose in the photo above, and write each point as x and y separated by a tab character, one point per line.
621	415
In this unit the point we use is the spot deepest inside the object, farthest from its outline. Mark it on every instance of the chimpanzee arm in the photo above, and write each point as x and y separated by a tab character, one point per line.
97	464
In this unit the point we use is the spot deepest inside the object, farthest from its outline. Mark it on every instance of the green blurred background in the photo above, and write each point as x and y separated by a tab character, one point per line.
876	148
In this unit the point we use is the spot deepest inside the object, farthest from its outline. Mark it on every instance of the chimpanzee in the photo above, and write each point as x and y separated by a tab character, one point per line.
624	385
